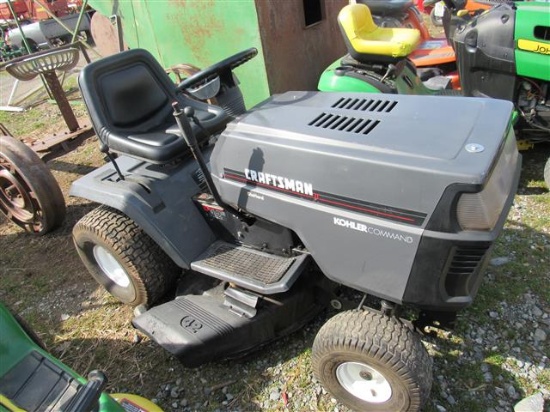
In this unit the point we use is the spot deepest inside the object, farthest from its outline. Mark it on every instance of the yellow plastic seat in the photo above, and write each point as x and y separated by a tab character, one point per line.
366	40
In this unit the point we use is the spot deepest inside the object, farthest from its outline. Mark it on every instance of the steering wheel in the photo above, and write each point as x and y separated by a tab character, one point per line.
223	69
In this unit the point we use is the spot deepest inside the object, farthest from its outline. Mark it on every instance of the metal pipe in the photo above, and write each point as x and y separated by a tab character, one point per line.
53	16
12	94
81	14
10	6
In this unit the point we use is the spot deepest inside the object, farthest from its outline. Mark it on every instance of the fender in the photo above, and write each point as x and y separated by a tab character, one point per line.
158	199
408	82
337	78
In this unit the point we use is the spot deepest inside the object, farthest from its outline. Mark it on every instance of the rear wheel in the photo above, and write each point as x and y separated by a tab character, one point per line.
123	258
29	194
371	362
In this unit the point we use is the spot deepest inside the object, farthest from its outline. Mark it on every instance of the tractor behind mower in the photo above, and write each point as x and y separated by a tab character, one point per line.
228	229
32	379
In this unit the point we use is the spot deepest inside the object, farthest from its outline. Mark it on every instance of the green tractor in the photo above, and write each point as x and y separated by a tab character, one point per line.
7	51
31	379
503	53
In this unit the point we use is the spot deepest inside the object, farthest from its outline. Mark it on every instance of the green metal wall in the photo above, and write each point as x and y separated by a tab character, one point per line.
199	32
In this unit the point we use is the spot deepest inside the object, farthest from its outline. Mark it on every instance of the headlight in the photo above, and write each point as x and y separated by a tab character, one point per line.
481	211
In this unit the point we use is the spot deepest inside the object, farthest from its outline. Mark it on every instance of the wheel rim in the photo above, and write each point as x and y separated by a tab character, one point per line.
110	266
17	199
364	382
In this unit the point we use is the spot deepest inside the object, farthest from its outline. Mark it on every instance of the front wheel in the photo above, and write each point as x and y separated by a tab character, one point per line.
123	258
371	362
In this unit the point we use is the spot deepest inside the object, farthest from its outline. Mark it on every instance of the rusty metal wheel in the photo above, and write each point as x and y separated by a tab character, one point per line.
29	194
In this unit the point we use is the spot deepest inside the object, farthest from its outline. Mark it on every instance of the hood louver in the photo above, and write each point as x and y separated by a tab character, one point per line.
350	124
365	105
344	123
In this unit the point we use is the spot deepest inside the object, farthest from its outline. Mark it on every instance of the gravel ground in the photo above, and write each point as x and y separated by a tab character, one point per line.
521	360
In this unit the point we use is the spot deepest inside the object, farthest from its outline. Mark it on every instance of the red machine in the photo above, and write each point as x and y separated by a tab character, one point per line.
33	9
435	8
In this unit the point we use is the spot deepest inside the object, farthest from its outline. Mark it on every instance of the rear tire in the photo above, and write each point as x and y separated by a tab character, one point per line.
29	194
371	362
123	258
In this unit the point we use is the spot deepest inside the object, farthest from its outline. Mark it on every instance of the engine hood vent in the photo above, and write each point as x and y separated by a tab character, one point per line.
344	123
399	129
365	105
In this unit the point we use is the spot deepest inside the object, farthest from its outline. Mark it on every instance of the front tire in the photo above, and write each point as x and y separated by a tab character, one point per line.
371	362
123	258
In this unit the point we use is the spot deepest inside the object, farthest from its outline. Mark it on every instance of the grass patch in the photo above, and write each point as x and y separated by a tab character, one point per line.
24	123
42	115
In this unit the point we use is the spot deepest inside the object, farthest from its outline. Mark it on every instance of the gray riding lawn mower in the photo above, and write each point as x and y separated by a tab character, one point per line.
228	228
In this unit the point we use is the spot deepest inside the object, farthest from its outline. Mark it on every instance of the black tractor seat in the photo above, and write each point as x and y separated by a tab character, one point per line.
129	98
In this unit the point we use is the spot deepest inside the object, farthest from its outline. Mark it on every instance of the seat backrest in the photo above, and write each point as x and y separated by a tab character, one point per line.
127	92
368	43
355	19
129	98
133	96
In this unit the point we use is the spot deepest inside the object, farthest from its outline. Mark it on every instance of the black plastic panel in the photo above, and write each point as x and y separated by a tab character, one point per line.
460	266
485	54
37	384
200	328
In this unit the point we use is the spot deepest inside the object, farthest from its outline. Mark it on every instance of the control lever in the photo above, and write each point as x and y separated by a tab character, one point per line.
182	119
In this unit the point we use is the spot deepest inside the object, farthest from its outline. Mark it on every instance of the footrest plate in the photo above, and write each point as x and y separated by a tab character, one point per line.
249	268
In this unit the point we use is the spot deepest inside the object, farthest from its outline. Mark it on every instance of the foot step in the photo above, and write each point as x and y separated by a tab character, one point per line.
203	328
258	271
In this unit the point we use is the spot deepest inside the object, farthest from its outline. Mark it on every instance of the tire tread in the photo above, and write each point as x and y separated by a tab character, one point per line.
148	264
383	338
